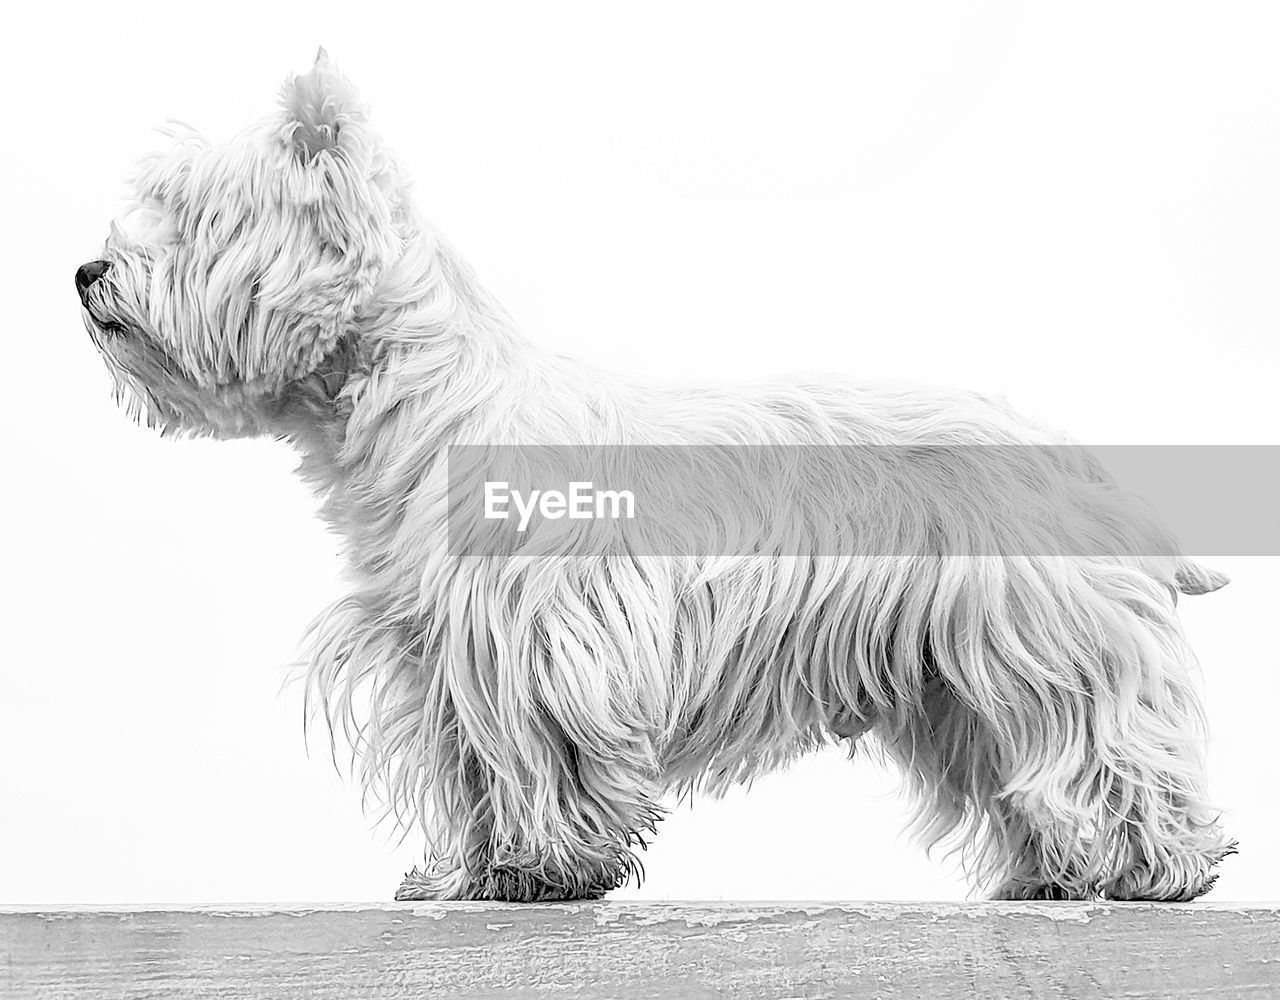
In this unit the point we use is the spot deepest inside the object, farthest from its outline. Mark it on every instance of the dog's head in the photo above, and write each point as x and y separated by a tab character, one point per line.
241	267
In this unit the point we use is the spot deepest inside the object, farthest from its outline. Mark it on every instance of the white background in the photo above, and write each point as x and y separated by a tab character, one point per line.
1076	205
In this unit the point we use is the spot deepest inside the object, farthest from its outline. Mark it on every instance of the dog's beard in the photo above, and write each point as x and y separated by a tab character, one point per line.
147	382
135	369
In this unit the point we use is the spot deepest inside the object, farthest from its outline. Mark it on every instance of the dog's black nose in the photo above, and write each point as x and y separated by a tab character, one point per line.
88	273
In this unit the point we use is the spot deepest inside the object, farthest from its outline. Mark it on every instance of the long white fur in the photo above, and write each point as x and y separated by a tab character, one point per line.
532	714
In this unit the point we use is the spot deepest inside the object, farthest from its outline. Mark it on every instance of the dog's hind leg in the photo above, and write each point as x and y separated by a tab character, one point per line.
1143	771
1134	807
1066	737
1164	839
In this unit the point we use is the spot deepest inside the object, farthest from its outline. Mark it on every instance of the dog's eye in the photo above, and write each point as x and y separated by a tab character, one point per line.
112	327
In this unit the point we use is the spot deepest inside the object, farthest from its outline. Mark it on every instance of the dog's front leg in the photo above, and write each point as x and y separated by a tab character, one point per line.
546	712
563	829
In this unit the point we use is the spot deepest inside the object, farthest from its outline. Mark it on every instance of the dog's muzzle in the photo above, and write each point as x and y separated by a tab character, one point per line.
87	274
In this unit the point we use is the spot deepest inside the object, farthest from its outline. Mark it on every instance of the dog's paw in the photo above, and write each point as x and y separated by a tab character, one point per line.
1015	889
433	883
498	884
1177	880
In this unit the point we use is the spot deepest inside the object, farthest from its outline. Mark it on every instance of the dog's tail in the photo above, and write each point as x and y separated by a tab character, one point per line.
1192	578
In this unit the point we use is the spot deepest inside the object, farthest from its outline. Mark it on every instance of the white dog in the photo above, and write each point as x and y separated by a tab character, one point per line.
531	713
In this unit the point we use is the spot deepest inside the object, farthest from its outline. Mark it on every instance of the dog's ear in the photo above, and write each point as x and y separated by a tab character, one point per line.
323	113
338	221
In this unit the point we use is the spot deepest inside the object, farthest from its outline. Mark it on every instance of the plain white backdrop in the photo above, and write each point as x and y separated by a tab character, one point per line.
1075	205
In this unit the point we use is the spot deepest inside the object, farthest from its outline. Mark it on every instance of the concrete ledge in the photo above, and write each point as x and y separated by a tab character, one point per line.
643	950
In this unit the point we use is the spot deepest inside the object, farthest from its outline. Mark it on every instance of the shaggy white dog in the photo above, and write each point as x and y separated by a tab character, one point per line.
531	713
